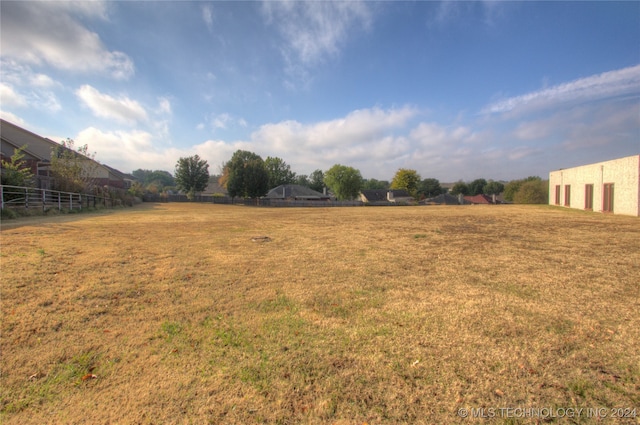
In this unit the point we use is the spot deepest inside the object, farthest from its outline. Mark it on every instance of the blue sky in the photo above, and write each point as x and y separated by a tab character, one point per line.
455	90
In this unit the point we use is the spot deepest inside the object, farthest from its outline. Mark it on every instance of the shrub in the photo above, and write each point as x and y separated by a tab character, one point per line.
532	192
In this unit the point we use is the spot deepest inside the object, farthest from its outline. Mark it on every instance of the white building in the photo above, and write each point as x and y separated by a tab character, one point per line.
610	186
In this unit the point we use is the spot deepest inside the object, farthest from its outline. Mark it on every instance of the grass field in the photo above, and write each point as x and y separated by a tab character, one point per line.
179	313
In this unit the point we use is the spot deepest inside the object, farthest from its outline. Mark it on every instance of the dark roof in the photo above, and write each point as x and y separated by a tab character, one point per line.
40	147
380	195
119	174
37	146
213	188
287	191
445	199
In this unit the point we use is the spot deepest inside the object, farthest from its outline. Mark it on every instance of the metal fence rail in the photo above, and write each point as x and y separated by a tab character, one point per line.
15	197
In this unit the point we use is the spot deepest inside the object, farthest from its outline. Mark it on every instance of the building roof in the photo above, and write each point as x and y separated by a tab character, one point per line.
479	199
445	199
37	146
214	188
287	191
40	147
380	195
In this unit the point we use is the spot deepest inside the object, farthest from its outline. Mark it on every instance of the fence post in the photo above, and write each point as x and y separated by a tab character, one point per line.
2	197
59	203
26	198
80	201
70	201
44	200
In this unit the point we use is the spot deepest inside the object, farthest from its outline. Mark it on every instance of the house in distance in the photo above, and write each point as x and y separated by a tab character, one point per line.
295	192
608	187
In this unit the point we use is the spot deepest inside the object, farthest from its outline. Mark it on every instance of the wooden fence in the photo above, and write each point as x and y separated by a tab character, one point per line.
15	197
260	202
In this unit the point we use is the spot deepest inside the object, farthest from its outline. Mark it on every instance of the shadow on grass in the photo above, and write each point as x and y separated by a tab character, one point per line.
54	217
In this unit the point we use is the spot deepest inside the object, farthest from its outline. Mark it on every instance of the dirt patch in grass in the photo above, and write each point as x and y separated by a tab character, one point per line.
173	313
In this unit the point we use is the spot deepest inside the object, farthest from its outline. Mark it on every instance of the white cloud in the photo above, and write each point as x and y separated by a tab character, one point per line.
610	84
130	150
207	16
380	141
609	126
225	121
437	146
45	100
449	12
314	31
123	109
358	127
21	87
127	150
39	33
221	121
41	80
362	137
39	99
13	118
22	75
9	97
164	106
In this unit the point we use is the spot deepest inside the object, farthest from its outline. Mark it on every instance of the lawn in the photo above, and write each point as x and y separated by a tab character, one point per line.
199	313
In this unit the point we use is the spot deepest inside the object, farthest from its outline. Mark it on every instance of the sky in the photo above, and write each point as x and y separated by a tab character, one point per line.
455	90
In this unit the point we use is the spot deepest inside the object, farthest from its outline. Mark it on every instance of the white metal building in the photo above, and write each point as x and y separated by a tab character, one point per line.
609	187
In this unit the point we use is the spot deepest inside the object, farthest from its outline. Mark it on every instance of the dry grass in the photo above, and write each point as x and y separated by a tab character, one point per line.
347	315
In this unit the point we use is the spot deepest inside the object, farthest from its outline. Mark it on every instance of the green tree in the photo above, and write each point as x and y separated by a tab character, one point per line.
73	170
279	172
137	189
192	175
511	188
373	184
460	188
316	181
162	178
159	178
477	186
344	181
303	180
493	188
16	172
430	188
408	180
246	175
532	192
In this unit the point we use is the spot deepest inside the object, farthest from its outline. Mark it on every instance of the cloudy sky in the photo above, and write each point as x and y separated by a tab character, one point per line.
454	90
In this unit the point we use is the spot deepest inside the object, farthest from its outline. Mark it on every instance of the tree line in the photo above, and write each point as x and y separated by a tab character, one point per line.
247	175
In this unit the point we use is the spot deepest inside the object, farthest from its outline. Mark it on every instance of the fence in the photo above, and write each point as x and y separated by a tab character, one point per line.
15	197
260	202
272	202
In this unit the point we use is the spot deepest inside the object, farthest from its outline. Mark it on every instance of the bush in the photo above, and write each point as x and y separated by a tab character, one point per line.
532	192
8	214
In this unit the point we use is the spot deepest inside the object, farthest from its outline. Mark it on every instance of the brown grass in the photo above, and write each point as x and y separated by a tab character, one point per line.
172	314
